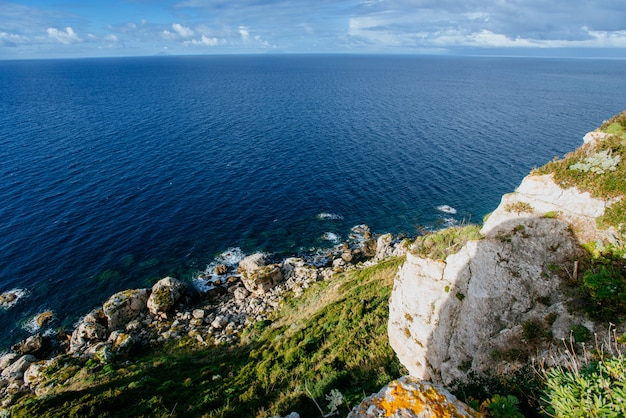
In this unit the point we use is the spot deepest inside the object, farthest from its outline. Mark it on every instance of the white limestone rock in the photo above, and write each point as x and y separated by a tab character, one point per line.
448	316
409	397
165	293
123	307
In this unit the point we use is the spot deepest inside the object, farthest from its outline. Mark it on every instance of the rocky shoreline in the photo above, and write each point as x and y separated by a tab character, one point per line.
232	299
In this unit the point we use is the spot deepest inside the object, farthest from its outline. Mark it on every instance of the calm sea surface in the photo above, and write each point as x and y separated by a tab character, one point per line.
117	172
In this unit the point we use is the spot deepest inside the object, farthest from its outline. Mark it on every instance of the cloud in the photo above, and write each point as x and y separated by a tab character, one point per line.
204	40
65	37
182	31
243	31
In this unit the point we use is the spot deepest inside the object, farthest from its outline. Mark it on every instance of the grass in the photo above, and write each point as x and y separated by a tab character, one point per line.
334	337
440	244
599	169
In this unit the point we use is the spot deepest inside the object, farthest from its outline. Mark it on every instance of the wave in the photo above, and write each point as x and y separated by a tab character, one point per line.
329	216
447	209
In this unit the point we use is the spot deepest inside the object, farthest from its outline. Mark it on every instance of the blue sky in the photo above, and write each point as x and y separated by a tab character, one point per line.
94	28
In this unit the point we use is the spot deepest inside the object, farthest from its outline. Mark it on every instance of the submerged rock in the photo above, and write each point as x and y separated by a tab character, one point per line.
409	397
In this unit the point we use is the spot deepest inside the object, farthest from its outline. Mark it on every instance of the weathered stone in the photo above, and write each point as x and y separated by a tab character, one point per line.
219	322
125	306
198	313
220	269
262	279
409	397
121	343
7	359
91	328
44	318
35	345
383	246
165	293
16	370
251	263
240	293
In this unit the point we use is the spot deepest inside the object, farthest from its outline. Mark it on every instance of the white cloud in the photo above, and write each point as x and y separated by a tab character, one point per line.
111	38
65	37
11	39
243	31
182	31
204	40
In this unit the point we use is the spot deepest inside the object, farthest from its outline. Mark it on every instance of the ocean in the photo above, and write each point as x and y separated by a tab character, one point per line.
116	172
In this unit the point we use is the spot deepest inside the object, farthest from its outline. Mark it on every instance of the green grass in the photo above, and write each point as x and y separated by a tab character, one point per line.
603	184
332	337
440	244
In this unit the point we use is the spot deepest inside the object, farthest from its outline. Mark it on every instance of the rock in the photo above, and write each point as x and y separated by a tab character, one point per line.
198	313
543	195
7	359
44	318
220	269
91	328
125	306
409	397
219	322
165	293
240	293
369	247
347	256
121	343
259	281
35	345
16	370
383	246
594	137
251	263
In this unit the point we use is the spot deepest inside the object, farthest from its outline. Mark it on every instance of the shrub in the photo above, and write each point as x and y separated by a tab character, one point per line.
500	406
598	389
518	207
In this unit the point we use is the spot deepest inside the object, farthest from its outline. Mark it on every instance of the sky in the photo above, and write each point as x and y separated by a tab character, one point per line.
31	29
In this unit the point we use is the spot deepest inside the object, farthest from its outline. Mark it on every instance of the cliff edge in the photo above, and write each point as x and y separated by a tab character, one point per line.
504	298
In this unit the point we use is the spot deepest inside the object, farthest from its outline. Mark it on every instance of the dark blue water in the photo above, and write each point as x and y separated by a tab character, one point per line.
116	172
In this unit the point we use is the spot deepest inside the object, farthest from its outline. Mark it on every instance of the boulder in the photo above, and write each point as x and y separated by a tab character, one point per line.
7	359
261	280
409	397
220	269
240	293
121	343
383	246
251	263
165	293
91	328
44	318
16	370
35	345
125	306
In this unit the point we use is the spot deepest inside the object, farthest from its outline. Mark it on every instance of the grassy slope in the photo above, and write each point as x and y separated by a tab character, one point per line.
333	337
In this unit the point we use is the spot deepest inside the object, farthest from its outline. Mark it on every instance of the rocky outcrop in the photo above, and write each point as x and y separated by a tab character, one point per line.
409	397
257	277
466	313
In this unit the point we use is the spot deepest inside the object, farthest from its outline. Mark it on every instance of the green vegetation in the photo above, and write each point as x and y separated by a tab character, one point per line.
440	244
599	169
330	341
587	388
518	207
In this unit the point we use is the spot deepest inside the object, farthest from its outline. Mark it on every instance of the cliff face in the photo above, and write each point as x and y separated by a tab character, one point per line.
478	309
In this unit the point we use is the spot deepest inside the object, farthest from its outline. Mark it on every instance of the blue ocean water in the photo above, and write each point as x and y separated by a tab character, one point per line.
117	172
